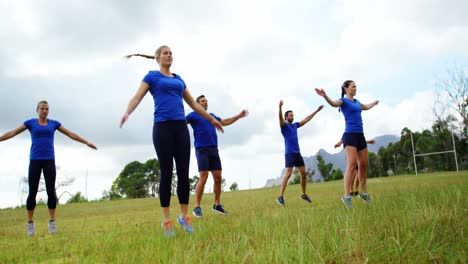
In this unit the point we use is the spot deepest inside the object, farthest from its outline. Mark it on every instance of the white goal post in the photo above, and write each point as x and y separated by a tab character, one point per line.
433	153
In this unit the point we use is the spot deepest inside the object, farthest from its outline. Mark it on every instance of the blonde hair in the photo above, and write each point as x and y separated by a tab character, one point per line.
41	102
156	55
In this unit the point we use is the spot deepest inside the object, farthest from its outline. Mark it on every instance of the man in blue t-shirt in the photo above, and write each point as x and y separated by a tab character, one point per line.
293	155
206	145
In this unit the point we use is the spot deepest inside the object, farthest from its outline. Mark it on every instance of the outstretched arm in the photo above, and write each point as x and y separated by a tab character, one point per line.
371	141
135	101
199	110
281	119
75	137
369	106
13	133
309	117
334	103
339	143
228	121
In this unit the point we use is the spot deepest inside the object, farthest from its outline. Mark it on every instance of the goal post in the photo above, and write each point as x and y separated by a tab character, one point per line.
433	153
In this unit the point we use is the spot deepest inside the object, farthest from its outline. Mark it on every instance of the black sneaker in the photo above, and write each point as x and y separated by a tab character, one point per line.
219	209
280	200
306	198
365	197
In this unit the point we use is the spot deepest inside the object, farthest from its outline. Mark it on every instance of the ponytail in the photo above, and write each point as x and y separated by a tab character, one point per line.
140	55
157	53
343	91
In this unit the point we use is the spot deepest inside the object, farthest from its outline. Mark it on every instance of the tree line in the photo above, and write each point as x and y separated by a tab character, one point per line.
397	157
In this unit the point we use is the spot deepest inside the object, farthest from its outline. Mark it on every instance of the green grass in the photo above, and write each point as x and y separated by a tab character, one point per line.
413	219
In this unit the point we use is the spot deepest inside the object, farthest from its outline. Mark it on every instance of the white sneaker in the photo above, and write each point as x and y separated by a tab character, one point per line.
52	227
31	228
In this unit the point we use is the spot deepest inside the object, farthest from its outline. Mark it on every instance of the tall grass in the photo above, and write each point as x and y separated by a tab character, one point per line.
413	219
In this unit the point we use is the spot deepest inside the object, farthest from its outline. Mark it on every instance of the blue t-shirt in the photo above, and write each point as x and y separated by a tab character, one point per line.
204	132
352	114
42	137
291	142
167	93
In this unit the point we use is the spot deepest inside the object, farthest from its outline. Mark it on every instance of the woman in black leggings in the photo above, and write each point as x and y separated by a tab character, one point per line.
42	158
170	134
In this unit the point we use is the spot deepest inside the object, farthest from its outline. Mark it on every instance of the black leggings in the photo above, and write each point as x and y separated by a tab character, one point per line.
171	141
34	177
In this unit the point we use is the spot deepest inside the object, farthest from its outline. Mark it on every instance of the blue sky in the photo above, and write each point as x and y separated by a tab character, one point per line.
240	54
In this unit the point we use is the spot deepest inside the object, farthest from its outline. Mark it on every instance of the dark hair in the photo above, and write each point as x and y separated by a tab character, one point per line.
345	85
286	113
200	97
343	91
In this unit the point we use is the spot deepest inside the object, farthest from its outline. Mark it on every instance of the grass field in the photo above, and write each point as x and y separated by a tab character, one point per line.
413	219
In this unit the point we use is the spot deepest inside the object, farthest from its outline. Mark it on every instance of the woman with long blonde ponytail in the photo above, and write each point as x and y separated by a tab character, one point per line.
170	133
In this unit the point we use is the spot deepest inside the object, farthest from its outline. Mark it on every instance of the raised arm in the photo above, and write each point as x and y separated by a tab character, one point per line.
76	137
199	110
281	118
135	101
13	133
369	106
228	121
309	117
334	103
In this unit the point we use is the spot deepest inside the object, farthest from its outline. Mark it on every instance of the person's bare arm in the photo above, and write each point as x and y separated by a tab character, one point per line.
13	132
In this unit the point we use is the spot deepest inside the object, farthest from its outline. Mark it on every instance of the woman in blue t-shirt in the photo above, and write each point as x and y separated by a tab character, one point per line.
353	138
42	158
171	138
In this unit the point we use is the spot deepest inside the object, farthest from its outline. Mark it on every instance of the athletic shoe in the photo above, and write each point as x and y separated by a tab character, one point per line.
31	228
168	228
219	209
185	223
52	227
306	198
347	201
365	197
280	200
197	212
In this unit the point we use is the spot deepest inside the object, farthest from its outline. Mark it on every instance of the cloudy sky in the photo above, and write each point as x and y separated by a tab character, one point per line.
240	54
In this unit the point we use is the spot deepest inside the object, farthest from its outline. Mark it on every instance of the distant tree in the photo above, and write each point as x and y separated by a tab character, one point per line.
223	184
336	174
234	187
453	95
296	177
132	181
111	195
310	175
193	183
174	181
325	169
152	176
77	198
